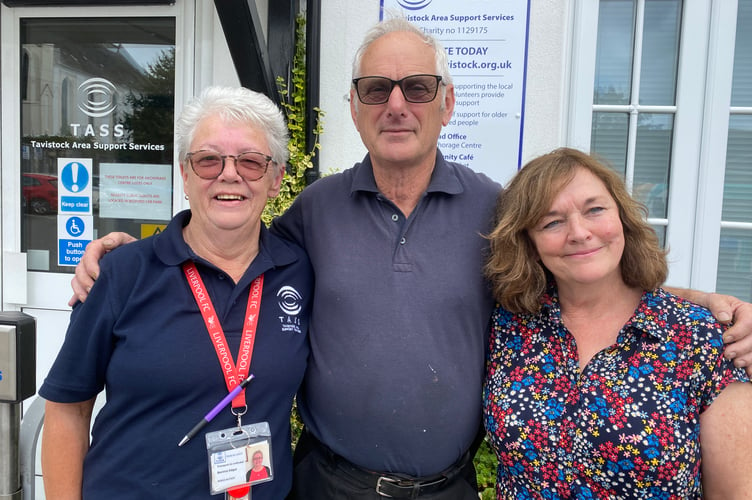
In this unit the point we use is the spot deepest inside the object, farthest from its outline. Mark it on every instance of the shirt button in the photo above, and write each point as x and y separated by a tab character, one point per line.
403	241
395	217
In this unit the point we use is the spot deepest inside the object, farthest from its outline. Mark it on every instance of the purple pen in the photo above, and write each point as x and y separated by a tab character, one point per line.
214	411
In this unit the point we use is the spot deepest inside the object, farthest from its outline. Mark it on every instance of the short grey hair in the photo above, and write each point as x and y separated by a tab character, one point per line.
235	105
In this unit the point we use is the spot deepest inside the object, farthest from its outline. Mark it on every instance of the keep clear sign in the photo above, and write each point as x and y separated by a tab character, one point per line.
486	42
74	219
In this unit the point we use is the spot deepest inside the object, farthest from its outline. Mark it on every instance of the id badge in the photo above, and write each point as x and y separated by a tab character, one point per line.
239	457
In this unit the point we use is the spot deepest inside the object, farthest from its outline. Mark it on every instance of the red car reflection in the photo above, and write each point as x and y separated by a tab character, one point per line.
39	193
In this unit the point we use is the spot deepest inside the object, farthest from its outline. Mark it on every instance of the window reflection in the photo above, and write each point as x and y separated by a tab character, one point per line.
613	66
100	95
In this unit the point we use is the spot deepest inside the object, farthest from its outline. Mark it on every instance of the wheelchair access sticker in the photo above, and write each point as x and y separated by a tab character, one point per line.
74	232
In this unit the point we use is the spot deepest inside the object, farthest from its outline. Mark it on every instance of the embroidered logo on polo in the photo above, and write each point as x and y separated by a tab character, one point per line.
290	303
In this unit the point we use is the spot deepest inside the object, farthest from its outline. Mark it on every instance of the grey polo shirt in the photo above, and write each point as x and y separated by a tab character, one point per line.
400	316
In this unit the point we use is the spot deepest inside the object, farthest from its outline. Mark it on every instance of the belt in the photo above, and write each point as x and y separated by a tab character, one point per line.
396	487
392	485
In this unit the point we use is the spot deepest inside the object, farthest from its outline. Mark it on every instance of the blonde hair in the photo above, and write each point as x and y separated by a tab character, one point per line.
517	277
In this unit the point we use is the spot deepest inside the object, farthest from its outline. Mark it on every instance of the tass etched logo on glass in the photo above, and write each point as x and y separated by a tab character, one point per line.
96	97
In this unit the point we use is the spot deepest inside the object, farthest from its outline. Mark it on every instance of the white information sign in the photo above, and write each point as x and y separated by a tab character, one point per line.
486	42
135	191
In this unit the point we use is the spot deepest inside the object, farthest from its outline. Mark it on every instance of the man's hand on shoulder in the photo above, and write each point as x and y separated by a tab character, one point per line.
737	338
87	269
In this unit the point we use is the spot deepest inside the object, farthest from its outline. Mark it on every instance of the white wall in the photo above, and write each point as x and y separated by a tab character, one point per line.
343	24
547	77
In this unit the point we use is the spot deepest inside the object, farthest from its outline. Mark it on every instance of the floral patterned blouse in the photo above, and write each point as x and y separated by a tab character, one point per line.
626	425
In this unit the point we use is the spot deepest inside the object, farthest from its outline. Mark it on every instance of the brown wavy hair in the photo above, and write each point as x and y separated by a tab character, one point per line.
517	276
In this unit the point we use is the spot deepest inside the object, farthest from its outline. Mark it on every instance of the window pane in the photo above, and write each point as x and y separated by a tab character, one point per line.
97	132
613	65
609	138
741	93
735	264
660	52
735	252
737	186
660	231
652	160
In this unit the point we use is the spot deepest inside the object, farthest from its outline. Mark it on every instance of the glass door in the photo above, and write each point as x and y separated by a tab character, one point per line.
88	99
97	101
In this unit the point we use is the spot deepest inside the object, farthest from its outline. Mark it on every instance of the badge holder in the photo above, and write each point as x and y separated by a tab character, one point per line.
239	458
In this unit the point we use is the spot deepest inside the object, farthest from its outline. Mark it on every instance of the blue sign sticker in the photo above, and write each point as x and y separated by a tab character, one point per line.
74	177
75	226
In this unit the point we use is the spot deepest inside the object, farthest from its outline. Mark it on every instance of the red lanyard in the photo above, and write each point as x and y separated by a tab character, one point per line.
233	374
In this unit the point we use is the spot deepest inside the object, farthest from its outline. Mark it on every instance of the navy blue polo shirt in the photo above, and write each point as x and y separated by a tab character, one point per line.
400	316
140	336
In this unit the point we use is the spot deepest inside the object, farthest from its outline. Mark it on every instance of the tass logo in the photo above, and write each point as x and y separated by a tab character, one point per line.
414	4
289	300
96	97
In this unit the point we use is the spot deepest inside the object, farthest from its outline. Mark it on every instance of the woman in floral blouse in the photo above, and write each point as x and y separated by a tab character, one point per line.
600	384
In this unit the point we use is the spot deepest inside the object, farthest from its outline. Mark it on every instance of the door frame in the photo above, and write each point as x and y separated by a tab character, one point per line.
21	288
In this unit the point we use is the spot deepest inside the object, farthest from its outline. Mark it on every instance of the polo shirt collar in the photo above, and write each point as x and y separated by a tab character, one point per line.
655	300
652	304
172	250
443	179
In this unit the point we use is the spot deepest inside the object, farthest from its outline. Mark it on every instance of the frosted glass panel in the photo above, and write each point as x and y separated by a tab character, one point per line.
652	160
660	52
737	190
613	66
741	93
735	250
735	264
609	138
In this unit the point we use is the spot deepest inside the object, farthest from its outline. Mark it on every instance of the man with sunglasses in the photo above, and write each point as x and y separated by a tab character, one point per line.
391	398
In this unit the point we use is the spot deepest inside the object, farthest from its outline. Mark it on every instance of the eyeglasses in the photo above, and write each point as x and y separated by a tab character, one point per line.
209	164
415	88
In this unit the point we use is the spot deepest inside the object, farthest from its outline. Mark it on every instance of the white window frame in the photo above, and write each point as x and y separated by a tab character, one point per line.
698	159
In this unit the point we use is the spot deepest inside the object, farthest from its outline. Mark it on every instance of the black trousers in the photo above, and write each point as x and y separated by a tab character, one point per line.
319	474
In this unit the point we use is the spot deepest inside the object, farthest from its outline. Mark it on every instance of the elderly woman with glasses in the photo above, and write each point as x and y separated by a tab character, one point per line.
177	321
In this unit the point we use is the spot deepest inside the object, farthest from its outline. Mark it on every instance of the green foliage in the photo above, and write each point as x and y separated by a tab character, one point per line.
294	105
296	424
485	469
